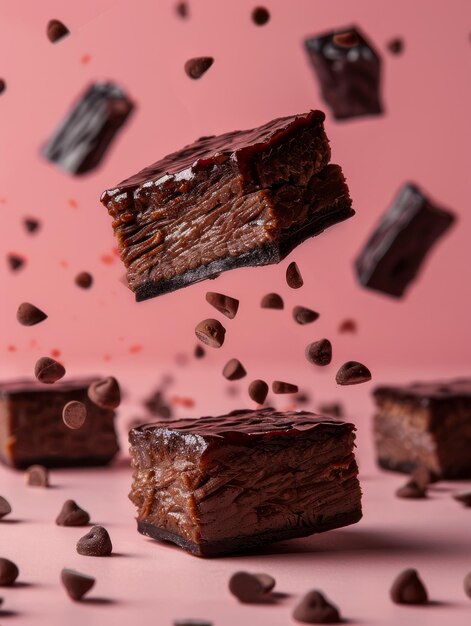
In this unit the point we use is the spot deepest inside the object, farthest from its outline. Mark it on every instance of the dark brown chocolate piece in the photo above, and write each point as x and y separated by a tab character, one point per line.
56	31
260	16
412	490
48	370
224	304
211	332
5	507
31	225
272	301
84	280
467	585
258	391
348	326
37	476
234	370
8	572
195	68
192	622
72	515
319	352
409	589
352	373
199	352
464	497
30	315
293	276
15	262
105	393
303	315
75	583
396	45
234	484
279	386
244	198
314	608
3	86
251	588
96	542
181	9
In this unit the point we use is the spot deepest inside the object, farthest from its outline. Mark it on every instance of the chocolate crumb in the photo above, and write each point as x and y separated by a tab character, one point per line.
260	16
293	276
31	224
48	370
347	39
251	588
37	476
234	370
56	31
319	352
331	409
195	68
72	515
74	414
464	497
199	352
3	85
302	315
279	386
224	304
8	572
96	542
272	301
211	332
181	9
348	326
412	490
84	280
75	583
29	315
258	391
396	45
5	507
314	608
408	589
15	262
105	393
353	373
467	585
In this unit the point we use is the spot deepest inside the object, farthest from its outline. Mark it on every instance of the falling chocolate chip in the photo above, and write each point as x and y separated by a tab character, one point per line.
84	280
314	608
157	405
302	315
348	326
8	572
37	476
467	585
74	414
260	16
31	224
30	315
5	507
48	370
96	542
224	304
3	85
56	31
15	262
352	373
251	588
293	276
319	352
279	386
181	8
195	68
258	391
105	393
72	515
408	589
332	409
412	490
234	370
199	352
75	583
396	45
347	39
464	497
211	332
272	301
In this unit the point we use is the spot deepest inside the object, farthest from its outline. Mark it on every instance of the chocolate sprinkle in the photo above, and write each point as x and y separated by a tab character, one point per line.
251	588
279	386
272	301
314	608
37	476
72	515
352	373
347	39
293	276
260	16
84	280
464	497
75	583
258	391
211	332
8	572
56	31
15	262
96	542
319	352
5	507
48	370
412	491
105	393
234	370
408	589
467	585
199	352
195	68
396	45
302	315
29	315
74	414
31	224
224	304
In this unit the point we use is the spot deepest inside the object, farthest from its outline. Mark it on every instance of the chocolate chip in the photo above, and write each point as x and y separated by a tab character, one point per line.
211	332
464	497
352	373
258	391
260	16
348	326
48	370
314	608
396	45
332	409
3	85
30	315
195	68
15	262
279	386
37	476
72	515
234	370
272	301
302	315
31	224
319	352
56	31
293	276
5	507
8	572
408	589
347	39
96	542
251	588
75	583
181	9
105	393
84	280
224	304
199	352
74	414
412	491
467	585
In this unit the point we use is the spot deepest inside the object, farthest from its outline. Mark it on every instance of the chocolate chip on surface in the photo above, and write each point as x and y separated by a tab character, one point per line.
74	414
8	572
278	386
319	352
84	280
75	583
412	490
56	31
37	476
251	588
72	515
105	393
314	608
347	39
96	542
293	276
260	16
352	373
48	370
211	332
224	304
464	497
234	370
195	68
272	301
258	391
408	589
5	507
303	315
29	315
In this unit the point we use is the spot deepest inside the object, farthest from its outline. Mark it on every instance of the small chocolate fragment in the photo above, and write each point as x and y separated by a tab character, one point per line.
56	31
211	332
279	386
396	45
272	301
352	373
8	572
15	262
29	315
258	391
408	589
314	608
31	224
234	370
72	515
5	507
105	393
157	405
84	280
467	585
37	476
348	326
224	304
75	583
74	414
3	85
346	39
181	8
412	490
293	276
464	497
334	409
199	352
319	352
48	370
302	315
260	16
96	542
195	68
251	588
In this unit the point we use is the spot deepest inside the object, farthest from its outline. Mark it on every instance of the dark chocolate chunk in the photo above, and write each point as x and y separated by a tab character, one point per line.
105	393
30	315
211	332
319	352
8	572
408	589
348	326
31	224
56	31
182	10
82	140
422	476
467	585
464	497
349	72
199	352
75	583
48	370
157	405
224	304
3	85
396	45
272	301
84	280
74	414
412	490
15	262
314	608
260	16
352	373
96	542
405	235
72	515
251	588
5	507
258	391
293	276
279	386
234	370
302	315
37	476
195	68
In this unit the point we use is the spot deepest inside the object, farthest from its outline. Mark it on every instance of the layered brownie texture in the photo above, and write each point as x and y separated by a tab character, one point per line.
242	198
425	424
224	484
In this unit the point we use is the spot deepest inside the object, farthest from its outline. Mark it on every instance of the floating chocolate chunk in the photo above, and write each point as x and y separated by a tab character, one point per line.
30	315
181	8
195	68
8	572
234	370
251	588
303	398
272	301
96	542
258	391
37	476
3	85
302	315
314	608
353	373
15	262
5	507
75	583
31	224
319	352
211	332
192	622
279	386
348	326
105	393
260	16
48	370
464	497
412	491
56	31
396	45
408	589
199	352
157	405
74	414
467	585
293	276
72	515
84	280
224	304
333	409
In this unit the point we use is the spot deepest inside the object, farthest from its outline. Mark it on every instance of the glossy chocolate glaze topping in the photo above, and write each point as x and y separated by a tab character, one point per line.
438	390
